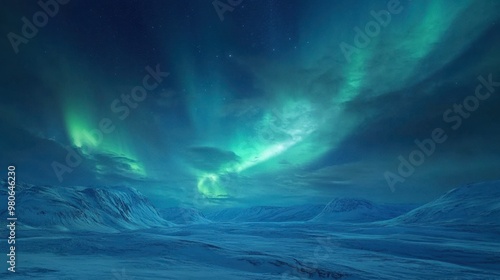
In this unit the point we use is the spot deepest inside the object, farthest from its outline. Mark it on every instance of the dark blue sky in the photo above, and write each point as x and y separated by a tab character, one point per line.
281	102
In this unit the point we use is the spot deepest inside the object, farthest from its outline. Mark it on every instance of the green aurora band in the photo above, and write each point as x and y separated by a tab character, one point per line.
306	112
299	127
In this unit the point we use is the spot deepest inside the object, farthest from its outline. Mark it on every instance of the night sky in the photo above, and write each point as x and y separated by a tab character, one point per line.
263	107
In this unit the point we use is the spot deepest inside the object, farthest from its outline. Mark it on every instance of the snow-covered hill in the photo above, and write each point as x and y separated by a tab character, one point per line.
266	214
358	210
103	209
265	250
338	210
474	204
180	215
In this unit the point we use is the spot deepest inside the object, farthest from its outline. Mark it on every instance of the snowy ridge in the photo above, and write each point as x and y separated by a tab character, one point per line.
266	214
107	209
339	205
357	210
338	210
180	215
474	204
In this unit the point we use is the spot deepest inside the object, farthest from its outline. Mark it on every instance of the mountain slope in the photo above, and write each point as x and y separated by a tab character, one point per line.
474	204
183	215
358	210
266	214
106	209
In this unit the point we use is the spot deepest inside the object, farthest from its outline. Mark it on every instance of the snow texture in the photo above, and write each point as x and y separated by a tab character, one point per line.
116	233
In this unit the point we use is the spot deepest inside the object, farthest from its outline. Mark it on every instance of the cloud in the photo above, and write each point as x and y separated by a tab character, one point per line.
117	166
211	159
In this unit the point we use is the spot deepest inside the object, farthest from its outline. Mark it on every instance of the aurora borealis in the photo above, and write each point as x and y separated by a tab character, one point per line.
261	108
